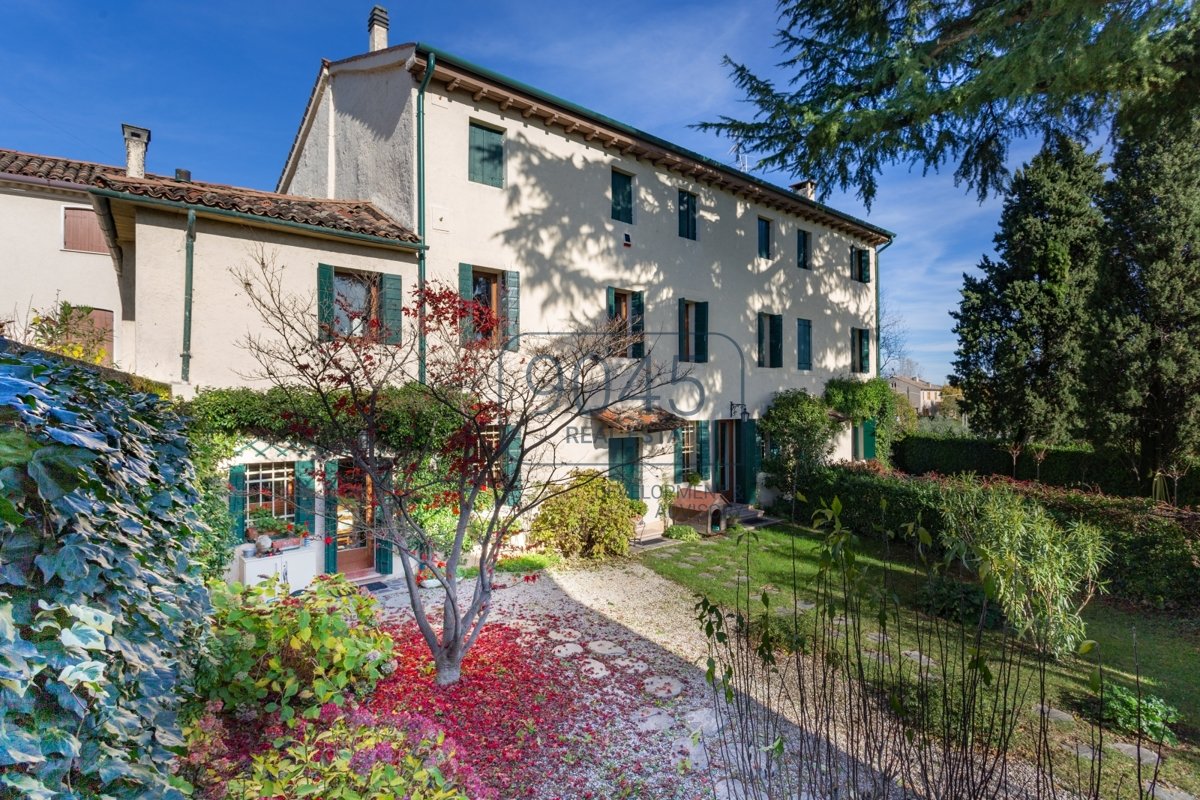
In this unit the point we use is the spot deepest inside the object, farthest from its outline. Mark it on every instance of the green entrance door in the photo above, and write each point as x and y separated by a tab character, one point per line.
625	466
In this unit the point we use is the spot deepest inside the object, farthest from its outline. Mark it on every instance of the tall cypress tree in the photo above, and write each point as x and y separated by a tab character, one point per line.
1146	368
1021	326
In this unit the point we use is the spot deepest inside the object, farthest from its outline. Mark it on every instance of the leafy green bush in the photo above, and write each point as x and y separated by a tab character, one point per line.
802	435
351	759
1150	717
590	519
638	508
959	601
526	562
1040	573
270	652
101	607
682	533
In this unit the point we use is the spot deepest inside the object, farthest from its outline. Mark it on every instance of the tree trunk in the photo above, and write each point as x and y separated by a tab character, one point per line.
449	667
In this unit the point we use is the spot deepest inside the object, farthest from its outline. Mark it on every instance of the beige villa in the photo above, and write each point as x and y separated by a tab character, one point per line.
410	165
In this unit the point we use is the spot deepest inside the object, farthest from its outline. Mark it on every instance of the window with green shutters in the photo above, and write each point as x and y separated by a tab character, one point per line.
622	197
803	249
693	331
764	238
629	309
804	344
860	350
687	215
770	340
860	264
353	303
485	155
498	291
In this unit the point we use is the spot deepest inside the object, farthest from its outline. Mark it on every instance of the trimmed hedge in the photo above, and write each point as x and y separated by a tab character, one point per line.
1103	470
1155	558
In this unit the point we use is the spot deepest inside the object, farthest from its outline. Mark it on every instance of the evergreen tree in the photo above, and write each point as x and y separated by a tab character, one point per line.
1146	372
1021	326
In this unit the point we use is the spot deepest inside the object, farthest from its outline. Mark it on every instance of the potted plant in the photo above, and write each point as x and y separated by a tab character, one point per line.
284	535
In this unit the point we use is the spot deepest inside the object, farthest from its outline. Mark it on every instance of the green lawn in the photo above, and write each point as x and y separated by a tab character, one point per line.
1167	651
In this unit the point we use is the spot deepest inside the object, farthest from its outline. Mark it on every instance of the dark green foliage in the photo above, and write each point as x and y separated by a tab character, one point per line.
682	533
1147	716
101	606
872	399
1146	362
960	601
876	83
589	519
215	539
1021	327
802	433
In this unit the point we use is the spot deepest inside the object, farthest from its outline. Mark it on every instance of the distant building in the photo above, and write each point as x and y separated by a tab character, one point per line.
921	394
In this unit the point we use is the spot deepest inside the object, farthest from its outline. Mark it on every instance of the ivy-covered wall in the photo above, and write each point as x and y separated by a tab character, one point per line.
101	606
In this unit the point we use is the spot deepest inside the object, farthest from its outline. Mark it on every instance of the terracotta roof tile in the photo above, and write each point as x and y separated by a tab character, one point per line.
50	168
354	216
628	420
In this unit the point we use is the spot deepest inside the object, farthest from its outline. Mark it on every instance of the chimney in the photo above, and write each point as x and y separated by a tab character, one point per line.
136	140
806	189
377	28
184	175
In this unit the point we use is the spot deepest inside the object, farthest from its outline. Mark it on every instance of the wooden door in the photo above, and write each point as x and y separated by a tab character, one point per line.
355	521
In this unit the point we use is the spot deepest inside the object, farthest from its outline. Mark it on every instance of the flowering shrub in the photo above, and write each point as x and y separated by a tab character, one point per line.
271	652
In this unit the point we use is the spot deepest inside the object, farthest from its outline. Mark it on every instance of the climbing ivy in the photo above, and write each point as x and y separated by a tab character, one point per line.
101	606
873	399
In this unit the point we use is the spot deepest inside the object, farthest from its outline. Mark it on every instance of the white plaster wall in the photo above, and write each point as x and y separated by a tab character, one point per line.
311	173
35	270
221	313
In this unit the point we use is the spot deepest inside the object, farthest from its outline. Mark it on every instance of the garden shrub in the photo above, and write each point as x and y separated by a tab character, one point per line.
1149	716
270	652
590	519
101	606
682	533
802	435
959	601
526	562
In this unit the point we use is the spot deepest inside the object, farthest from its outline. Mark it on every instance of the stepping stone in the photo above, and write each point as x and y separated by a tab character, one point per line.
593	669
564	634
922	660
877	636
804	605
1144	754
703	720
567	649
1155	791
689	754
1054	715
872	655
632	665
662	687
1080	750
652	720
603	647
729	789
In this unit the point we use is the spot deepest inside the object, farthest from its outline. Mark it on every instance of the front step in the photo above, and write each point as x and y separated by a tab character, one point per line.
362	576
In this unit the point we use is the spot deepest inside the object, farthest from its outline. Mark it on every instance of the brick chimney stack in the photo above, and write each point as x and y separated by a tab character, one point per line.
377	29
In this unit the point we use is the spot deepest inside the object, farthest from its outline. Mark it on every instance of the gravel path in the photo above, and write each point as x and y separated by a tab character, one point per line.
630	641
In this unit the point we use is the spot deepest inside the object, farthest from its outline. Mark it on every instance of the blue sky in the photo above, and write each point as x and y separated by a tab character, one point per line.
222	85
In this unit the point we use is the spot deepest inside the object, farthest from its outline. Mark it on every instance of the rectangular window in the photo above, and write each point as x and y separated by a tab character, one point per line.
622	197
860	350
271	488
628	309
485	156
764	238
803	249
693	331
687	215
803	344
770	340
486	292
689	448
496	316
355	302
81	231
860	264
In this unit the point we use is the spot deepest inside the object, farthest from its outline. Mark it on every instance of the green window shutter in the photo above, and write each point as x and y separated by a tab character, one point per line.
391	307
803	344
466	290
512	458
802	250
868	429
237	500
324	302
610	303
864	265
683	347
622	197
762	339
748	458
764	238
776	323
855	442
383	557
701	349
703	460
637	323
687	215
306	495
512	310
679	455
331	514
864	350
485	159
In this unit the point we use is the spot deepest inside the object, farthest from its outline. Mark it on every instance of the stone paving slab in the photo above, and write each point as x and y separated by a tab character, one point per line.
1144	754
603	647
661	686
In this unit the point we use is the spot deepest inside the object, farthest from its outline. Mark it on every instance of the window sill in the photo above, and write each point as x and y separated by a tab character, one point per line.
89	252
